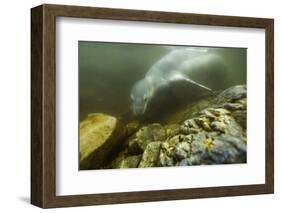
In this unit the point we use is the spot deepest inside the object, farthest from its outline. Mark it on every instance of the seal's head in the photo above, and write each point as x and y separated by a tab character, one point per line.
140	95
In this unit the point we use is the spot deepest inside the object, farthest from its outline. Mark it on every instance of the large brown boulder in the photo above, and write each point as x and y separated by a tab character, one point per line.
97	140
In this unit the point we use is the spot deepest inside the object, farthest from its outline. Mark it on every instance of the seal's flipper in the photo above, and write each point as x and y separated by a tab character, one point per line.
199	85
179	77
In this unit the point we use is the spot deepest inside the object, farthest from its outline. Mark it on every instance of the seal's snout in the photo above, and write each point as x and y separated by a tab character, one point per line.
138	111
139	106
139	97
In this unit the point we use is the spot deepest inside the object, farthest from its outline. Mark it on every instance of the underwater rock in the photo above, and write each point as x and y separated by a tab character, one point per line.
172	130
233	106
218	126
236	102
219	140
204	148
207	132
215	135
131	128
130	162
150	155
145	135
232	94
241	117
165	160
96	139
174	149
221	149
182	151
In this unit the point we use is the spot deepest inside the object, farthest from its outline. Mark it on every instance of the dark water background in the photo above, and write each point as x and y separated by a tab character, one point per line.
108	71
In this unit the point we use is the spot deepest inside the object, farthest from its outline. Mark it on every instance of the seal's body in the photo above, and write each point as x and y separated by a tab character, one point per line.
178	65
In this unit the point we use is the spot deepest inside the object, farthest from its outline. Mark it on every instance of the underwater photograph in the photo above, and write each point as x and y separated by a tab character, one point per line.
155	105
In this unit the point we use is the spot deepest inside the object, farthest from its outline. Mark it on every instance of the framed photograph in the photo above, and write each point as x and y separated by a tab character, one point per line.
136	106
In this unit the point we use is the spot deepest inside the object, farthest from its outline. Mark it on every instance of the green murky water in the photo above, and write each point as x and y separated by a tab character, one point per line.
108	71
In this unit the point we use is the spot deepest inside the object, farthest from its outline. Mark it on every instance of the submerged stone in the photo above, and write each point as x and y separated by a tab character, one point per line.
96	139
150	155
138	142
130	162
241	117
203	134
232	94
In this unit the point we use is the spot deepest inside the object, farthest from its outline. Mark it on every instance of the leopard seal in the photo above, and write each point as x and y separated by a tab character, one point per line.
177	66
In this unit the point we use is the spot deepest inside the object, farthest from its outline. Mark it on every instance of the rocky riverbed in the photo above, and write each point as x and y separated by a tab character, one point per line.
209	131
